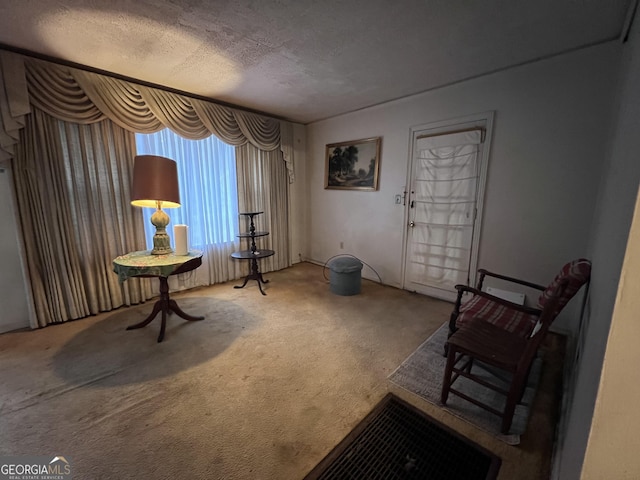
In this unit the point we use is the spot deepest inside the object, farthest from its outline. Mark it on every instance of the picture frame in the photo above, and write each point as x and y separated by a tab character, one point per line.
353	165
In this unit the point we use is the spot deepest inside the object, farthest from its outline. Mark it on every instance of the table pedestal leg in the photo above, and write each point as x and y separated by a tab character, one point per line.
254	275
166	306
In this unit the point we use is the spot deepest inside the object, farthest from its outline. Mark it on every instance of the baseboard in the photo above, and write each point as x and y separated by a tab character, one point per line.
13	326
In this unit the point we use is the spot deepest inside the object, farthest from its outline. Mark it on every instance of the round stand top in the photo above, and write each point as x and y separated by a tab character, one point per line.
254	234
248	254
144	264
251	213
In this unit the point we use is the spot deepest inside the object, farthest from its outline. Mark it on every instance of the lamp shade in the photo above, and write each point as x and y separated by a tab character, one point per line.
155	179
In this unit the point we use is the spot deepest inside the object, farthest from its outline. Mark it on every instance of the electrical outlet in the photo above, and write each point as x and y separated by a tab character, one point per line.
398	199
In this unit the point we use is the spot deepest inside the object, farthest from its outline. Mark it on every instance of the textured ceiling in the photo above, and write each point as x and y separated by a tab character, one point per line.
306	60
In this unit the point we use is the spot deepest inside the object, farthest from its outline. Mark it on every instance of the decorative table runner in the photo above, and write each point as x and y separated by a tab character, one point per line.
142	263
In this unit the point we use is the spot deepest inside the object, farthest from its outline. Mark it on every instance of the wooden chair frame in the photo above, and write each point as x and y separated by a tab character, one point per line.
492	345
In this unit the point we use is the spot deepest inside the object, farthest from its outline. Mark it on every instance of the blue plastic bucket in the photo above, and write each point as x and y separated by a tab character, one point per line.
345	276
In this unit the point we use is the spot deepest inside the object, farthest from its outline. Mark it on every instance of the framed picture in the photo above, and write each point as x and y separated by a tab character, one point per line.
353	165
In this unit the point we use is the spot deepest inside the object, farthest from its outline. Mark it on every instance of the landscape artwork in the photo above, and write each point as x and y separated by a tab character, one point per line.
353	165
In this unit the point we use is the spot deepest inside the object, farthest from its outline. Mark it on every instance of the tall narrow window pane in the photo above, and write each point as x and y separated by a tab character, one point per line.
208	188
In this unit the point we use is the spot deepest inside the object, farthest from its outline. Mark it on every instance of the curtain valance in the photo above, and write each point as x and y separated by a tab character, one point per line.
84	97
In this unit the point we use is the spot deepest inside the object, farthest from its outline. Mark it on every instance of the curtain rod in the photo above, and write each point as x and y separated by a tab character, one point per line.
79	66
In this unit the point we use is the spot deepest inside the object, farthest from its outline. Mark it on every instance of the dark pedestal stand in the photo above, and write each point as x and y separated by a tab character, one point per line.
253	254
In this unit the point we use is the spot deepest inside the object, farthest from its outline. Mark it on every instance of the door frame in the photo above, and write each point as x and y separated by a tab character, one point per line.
482	120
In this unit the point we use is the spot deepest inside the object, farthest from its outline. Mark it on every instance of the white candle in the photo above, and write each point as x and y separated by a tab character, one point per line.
181	237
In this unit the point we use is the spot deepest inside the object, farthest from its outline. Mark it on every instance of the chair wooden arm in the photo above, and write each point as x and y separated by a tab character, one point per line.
484	272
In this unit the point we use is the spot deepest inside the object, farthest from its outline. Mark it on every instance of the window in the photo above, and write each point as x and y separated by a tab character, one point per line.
208	188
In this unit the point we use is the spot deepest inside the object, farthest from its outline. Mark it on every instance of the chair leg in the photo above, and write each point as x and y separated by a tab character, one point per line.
446	381
515	393
469	365
523	385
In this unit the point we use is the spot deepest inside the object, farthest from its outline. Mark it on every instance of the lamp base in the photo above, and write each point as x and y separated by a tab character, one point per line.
161	242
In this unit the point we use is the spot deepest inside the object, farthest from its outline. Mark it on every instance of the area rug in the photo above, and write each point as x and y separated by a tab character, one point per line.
421	374
397	441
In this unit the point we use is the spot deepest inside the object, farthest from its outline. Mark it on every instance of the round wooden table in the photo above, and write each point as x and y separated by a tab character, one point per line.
143	264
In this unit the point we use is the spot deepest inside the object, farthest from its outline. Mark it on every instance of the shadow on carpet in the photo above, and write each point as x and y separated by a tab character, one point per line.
397	441
422	372
107	354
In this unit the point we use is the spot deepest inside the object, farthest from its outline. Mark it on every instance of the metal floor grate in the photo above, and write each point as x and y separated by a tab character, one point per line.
397	441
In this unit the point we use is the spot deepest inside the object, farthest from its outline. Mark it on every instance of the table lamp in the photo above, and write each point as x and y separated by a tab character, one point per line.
155	184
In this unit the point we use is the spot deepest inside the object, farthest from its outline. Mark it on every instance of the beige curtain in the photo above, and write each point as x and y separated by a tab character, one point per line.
80	96
286	146
14	103
89	102
217	267
263	187
77	95
72	183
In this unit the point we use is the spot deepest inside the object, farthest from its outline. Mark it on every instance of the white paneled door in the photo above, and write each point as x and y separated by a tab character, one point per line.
446	184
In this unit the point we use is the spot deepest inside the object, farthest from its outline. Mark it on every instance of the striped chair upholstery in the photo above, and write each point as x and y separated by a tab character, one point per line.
500	315
577	273
520	321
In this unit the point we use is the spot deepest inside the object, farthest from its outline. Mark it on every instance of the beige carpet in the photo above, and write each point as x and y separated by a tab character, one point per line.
263	388
421	374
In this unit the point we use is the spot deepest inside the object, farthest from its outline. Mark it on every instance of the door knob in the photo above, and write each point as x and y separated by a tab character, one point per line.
412	224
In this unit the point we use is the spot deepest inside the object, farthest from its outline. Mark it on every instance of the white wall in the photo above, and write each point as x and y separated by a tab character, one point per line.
546	161
617	196
14	312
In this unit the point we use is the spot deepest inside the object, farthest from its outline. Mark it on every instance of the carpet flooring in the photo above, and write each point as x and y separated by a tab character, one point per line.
421	373
262	388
